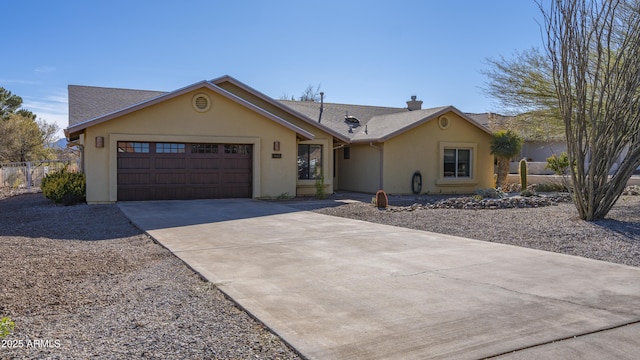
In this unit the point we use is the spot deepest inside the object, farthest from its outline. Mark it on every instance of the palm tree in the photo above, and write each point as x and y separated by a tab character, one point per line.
504	146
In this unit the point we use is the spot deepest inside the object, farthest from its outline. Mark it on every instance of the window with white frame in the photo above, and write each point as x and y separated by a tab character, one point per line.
457	162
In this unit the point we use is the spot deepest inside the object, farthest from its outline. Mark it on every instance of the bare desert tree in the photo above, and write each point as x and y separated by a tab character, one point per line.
311	94
594	50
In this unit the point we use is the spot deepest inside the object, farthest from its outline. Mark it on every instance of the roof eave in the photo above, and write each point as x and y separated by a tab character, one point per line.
368	140
415	124
249	89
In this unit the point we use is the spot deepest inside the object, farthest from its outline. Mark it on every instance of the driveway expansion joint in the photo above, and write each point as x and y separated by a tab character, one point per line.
634	322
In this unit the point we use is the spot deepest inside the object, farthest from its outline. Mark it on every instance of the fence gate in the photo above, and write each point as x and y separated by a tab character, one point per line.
28	175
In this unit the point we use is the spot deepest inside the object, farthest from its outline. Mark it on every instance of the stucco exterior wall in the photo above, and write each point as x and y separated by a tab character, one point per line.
304	187
361	172
421	149
175	120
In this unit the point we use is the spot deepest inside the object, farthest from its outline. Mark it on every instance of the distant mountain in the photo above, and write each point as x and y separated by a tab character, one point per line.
60	144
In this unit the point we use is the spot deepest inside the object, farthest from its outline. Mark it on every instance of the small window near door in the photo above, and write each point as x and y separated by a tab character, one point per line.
346	153
309	161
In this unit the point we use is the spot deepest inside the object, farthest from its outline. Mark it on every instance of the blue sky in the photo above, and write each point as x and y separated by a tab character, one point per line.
359	52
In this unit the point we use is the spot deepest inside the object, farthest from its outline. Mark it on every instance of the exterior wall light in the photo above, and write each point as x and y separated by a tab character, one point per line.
99	141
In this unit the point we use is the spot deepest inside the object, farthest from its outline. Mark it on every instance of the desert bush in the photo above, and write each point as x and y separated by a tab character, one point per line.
6	326
491	193
559	164
511	188
64	187
550	187
528	193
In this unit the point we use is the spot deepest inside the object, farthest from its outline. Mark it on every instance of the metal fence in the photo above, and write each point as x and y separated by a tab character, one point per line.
28	175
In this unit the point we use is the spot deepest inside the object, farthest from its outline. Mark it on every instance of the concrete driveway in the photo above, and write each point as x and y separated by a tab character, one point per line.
336	288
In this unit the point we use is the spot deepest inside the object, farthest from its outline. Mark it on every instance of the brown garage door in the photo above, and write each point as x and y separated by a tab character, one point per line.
169	171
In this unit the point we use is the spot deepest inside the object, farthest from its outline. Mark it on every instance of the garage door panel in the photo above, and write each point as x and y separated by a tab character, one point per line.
238	178
166	171
169	163
177	178
204	163
236	163
134	178
204	178
133	162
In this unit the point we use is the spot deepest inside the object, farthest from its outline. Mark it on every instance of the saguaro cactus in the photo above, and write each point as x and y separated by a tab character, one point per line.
523	174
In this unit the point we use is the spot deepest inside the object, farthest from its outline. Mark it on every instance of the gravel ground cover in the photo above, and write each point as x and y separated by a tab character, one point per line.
82	282
554	228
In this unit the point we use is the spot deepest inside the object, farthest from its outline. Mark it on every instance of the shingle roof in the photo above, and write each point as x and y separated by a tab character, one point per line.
83	104
334	115
375	123
383	127
354	123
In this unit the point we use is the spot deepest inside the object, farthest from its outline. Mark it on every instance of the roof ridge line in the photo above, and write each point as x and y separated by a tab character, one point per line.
116	88
332	103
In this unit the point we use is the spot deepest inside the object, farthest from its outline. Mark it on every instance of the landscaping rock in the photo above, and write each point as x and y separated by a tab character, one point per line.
471	203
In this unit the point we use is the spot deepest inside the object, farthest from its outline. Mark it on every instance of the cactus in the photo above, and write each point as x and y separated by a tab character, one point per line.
523	174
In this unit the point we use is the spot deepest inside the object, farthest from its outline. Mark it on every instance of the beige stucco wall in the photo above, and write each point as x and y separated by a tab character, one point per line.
304	187
420	149
361	172
175	120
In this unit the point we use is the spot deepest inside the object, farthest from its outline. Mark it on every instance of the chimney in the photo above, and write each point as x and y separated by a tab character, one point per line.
414	104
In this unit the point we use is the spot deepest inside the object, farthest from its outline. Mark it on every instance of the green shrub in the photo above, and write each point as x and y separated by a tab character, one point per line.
559	164
6	326
64	187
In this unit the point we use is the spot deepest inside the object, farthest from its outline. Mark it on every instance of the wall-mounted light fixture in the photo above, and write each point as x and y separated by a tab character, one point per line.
276	145
99	141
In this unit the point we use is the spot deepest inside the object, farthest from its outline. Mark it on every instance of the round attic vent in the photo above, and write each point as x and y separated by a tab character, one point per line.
201	102
443	122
